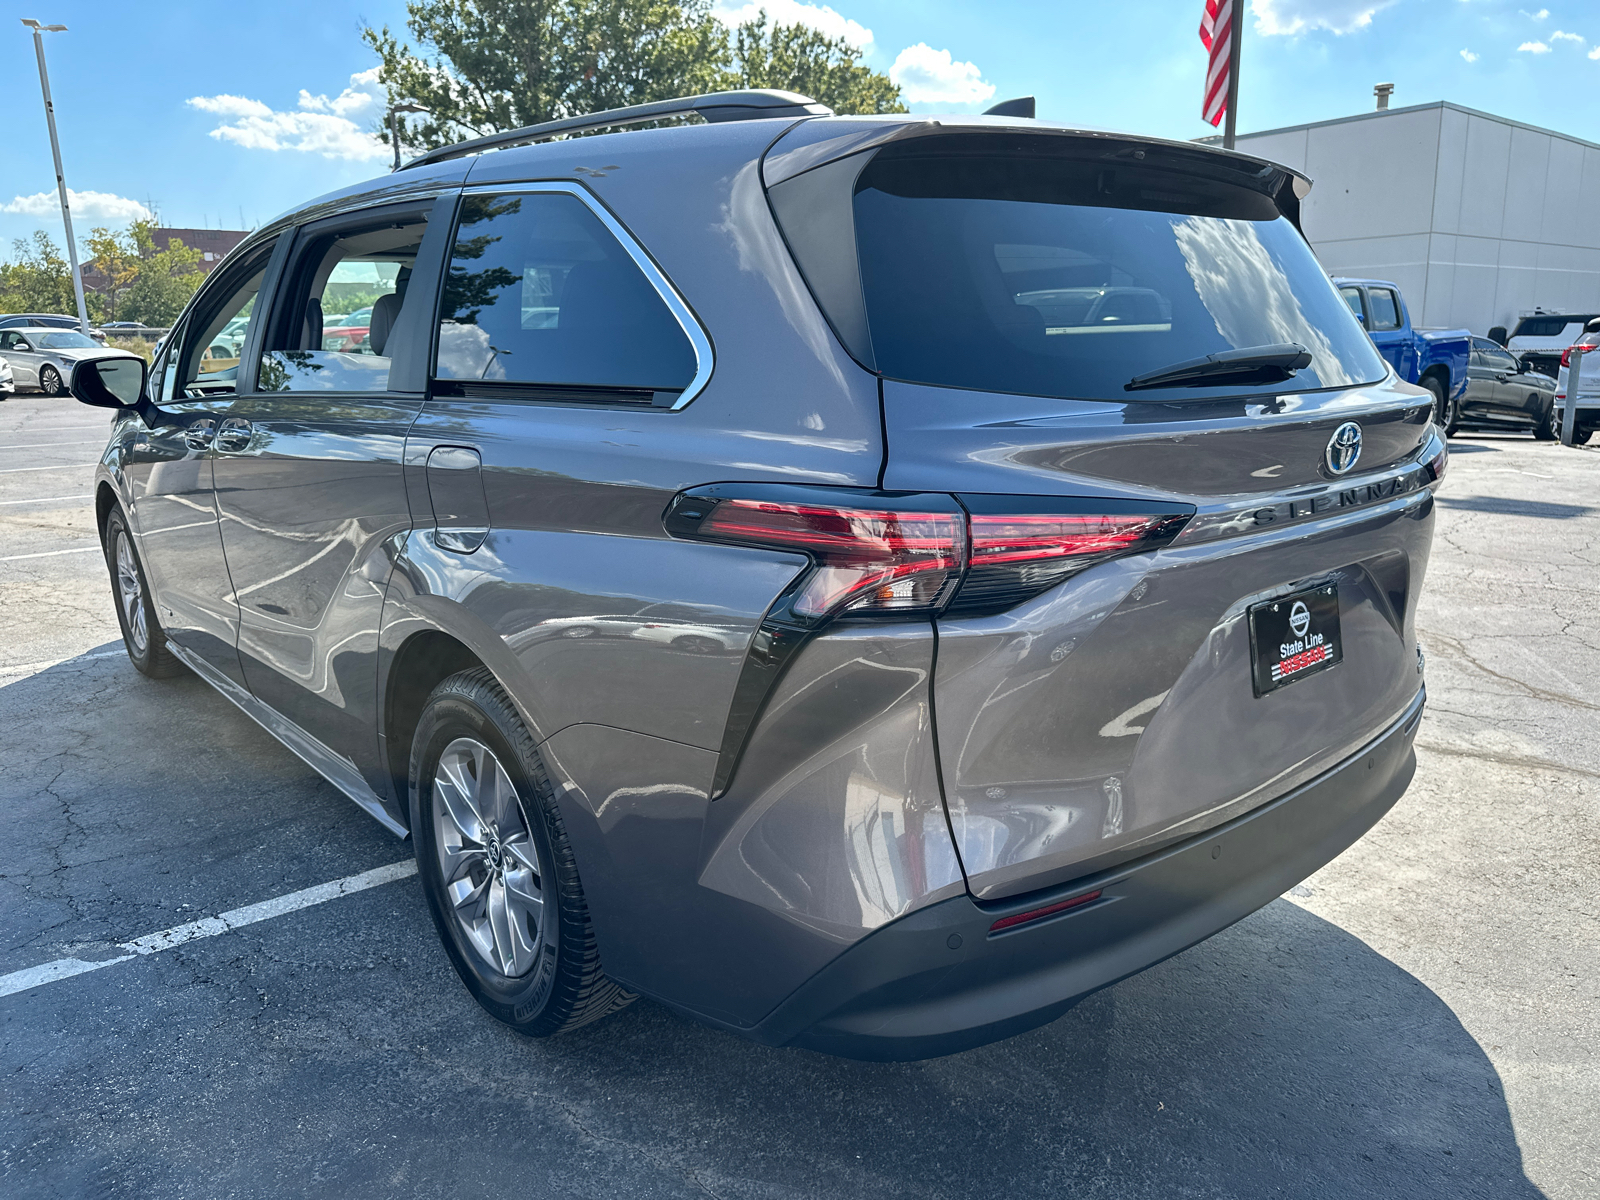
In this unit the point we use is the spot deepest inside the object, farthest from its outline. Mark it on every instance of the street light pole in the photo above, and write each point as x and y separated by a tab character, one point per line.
394	127
61	180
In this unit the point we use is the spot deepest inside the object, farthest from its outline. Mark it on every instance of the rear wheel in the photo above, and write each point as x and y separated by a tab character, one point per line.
1580	436
142	635
1446	410
50	381
1547	426
496	865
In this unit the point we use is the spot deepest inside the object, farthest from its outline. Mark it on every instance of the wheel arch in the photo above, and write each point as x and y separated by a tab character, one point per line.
421	663
1441	373
105	499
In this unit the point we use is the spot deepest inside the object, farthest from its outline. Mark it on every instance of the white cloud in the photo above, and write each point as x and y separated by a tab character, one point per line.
1561	36
94	206
1469	56
1538	16
1595	53
1533	48
1290	17
320	126
791	12
929	76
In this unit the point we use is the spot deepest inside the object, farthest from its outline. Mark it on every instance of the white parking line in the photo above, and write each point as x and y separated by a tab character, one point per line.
51	553
36	445
50	499
154	943
59	467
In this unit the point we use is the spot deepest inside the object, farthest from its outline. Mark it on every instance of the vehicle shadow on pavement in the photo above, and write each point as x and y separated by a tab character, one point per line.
1281	1058
1506	507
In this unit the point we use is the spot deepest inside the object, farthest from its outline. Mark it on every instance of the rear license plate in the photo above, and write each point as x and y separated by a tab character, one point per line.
1293	637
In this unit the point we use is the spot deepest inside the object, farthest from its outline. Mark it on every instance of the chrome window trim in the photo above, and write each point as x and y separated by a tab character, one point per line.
676	304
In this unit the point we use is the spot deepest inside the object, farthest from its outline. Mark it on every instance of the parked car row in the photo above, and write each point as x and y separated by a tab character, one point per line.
1515	383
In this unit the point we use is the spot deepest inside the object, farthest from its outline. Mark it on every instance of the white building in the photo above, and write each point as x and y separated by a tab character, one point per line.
1479	219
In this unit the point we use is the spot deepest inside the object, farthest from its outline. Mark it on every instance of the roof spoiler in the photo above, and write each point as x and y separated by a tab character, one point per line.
715	107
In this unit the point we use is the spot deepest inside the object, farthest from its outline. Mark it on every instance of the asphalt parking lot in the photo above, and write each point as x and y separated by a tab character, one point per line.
1420	1019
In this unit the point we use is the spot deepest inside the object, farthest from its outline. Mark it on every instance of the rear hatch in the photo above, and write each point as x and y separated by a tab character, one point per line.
1076	324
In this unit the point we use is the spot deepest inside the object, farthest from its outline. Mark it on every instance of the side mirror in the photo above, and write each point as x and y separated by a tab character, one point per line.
1522	366
1498	334
110	382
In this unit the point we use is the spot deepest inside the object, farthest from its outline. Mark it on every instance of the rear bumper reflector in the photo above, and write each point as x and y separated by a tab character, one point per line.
1039	914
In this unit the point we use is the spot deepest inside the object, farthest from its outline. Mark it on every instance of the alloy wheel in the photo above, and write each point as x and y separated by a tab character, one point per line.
50	382
130	592
487	857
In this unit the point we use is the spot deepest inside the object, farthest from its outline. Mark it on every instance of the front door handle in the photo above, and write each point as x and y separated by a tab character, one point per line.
199	434
234	434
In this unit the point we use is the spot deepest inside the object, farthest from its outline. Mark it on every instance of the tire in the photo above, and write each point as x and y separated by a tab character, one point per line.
1580	437
1446	411
695	644
1548	427
50	381
142	635
498	836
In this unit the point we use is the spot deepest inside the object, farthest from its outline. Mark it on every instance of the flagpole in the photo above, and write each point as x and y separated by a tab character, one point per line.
1235	28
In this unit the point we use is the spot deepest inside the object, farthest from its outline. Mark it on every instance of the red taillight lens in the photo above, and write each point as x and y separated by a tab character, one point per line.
867	558
1017	555
892	553
1587	342
1039	914
1016	539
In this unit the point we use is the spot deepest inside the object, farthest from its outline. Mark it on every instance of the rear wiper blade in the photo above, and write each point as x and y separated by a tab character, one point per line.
1264	364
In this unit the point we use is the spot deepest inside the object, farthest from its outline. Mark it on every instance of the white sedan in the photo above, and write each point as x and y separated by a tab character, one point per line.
44	358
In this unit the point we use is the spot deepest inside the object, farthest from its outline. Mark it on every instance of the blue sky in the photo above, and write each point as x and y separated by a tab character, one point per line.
225	115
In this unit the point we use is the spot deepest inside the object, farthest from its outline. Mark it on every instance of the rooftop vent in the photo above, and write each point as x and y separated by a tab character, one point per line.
1383	91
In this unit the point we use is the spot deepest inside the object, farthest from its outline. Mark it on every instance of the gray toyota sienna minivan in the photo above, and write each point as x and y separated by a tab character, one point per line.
864	582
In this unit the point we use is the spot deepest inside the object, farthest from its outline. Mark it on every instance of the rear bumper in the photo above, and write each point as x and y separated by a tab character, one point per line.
937	981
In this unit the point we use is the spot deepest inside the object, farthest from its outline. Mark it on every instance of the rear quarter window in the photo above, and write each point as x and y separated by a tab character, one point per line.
541	295
1064	277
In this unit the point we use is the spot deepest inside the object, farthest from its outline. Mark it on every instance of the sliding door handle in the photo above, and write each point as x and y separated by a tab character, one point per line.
234	434
199	434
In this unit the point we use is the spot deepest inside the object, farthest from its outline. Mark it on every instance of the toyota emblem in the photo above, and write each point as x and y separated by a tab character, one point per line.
1344	448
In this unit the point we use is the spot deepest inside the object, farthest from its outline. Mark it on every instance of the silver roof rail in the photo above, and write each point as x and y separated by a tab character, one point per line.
714	107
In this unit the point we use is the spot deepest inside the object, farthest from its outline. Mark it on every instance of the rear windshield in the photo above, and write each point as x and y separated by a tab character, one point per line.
1065	277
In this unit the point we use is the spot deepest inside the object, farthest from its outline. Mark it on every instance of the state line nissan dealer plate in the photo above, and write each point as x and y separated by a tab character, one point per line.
1293	637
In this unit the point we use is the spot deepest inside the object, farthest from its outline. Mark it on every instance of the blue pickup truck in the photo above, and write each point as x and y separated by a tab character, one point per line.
1435	358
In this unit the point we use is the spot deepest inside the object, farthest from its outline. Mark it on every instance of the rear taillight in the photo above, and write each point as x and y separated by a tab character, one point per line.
1024	545
1435	466
1585	343
874	552
897	553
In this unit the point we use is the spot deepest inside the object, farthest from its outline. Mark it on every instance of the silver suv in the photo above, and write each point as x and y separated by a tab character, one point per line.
864	582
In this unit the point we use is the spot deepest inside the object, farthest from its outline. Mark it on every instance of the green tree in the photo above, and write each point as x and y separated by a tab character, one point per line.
38	280
481	66
488	65
118	257
797	59
166	280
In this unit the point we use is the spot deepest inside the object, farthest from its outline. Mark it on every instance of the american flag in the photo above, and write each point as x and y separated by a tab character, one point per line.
1216	32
